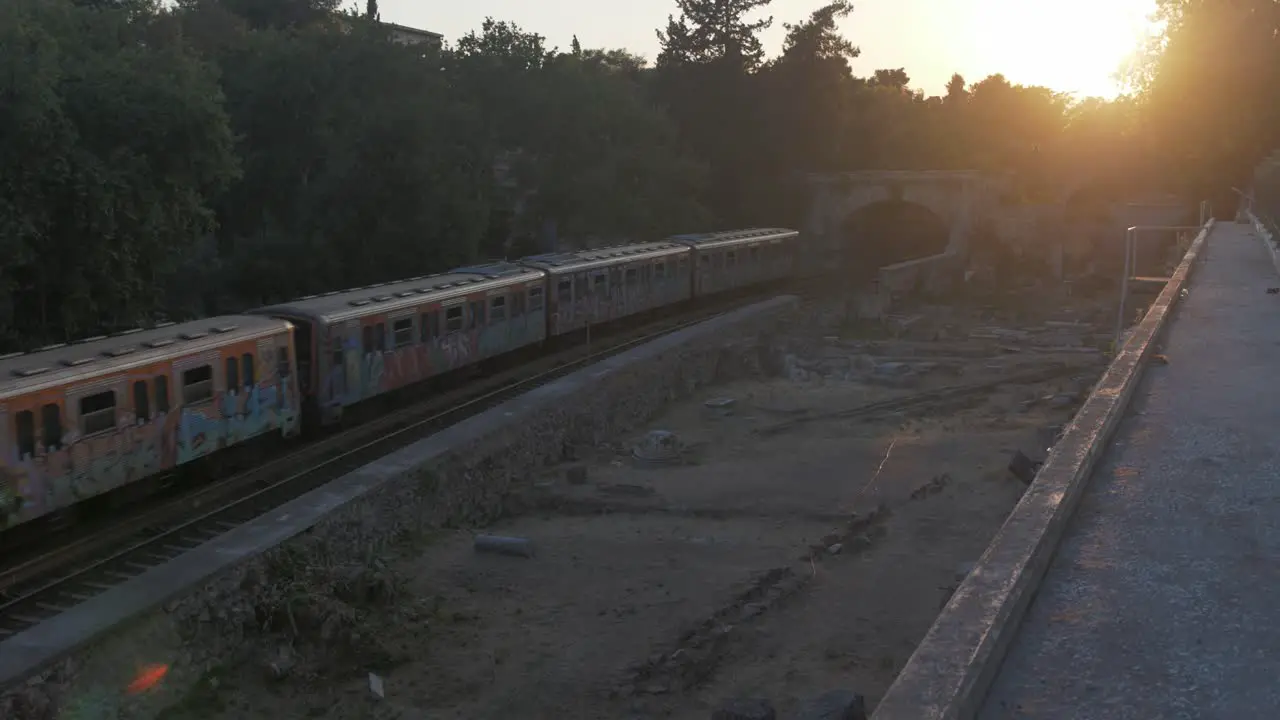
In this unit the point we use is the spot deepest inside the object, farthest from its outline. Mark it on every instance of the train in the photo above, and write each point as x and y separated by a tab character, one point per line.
84	419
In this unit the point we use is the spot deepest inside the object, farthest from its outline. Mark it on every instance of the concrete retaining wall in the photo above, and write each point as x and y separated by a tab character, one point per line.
460	476
930	275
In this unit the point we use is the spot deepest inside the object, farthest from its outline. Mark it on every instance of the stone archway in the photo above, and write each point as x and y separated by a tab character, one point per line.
890	231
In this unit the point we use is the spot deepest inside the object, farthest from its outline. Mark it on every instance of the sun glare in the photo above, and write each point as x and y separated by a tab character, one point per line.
1070	47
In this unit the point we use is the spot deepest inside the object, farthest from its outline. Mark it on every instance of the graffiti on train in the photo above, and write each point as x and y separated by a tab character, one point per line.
363	375
82	467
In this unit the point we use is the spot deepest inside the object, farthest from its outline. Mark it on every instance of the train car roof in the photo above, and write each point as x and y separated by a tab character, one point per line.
577	260
342	305
749	236
21	373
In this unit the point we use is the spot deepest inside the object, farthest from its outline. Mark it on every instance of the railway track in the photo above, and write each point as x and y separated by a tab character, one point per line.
50	583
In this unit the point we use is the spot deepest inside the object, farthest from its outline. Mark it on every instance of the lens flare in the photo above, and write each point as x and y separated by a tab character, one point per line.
148	677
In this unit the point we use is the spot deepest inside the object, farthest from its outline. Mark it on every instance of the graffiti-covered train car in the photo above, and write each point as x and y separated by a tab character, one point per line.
358	344
591	287
79	420
740	258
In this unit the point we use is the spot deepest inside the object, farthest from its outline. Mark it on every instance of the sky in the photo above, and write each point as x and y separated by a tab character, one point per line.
1072	46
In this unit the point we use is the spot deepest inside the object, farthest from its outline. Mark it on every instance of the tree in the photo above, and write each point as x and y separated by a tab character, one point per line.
279	14
714	30
1213	56
956	92
112	147
371	10
892	79
363	163
812	73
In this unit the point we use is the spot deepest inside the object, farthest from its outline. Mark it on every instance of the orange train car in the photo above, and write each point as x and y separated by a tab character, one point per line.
80	420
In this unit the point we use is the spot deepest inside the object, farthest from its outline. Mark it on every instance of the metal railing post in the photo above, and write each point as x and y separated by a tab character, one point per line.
1131	259
1124	289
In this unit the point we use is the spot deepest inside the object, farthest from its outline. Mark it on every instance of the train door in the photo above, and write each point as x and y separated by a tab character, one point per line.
303	338
537	310
496	338
661	283
563	309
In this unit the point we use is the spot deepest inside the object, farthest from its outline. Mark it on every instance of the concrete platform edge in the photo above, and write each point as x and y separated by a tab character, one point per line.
35	649
1264	235
950	672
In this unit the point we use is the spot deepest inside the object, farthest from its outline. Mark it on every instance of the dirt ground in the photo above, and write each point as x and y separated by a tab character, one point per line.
803	541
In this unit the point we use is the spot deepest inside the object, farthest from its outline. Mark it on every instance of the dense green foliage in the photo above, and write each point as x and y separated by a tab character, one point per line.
215	154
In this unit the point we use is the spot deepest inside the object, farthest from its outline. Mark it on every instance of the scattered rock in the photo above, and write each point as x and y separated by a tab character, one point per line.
282	664
892	368
576	474
658	446
721	406
1063	400
1023	467
835	548
745	709
376	687
835	705
626	489
500	545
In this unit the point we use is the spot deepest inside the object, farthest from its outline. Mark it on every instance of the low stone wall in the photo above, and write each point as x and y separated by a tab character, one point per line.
298	587
1271	243
929	275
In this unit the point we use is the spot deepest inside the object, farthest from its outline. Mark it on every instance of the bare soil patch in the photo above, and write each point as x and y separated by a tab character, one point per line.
803	539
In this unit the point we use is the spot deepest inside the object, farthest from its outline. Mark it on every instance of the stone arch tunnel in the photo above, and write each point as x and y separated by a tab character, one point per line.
890	231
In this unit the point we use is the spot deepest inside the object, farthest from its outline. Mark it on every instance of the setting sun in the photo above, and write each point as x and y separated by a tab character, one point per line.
1071	47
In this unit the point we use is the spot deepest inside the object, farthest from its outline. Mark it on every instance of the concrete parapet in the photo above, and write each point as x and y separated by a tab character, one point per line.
951	670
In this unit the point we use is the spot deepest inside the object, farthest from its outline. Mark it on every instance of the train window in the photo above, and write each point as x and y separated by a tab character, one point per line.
730	259
367	336
682	265
475	315
282	362
632	277
564	291
338	360
25	427
247	373
51	416
380	337
232	379
453	319
430	322
753	254
402	329
717	260
705	259
141	404
197	384
659	271
580	286
161	383
535	299
98	412
498	308
599	285
517	304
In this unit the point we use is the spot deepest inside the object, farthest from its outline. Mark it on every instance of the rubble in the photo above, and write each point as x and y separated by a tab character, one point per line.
835	705
498	545
745	709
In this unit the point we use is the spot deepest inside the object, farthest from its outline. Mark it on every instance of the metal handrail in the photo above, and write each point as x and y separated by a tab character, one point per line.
1131	259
